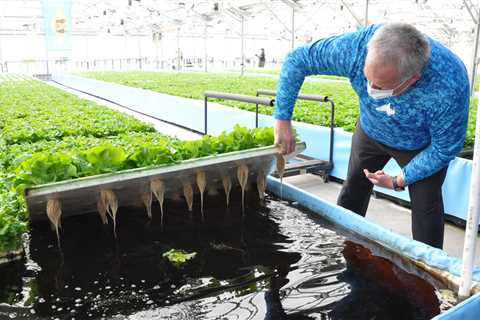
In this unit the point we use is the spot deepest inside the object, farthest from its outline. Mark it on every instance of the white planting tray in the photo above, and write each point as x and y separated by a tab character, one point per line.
80	196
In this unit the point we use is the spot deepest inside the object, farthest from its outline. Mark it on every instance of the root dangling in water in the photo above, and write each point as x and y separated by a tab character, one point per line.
261	184
102	210
281	171
158	189
201	183
147	201
188	193
242	175
280	165
111	203
227	186
54	213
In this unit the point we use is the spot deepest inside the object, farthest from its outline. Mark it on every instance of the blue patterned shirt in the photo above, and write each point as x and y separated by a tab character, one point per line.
431	115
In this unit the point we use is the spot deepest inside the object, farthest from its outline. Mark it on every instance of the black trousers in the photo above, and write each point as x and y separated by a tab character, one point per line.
425	195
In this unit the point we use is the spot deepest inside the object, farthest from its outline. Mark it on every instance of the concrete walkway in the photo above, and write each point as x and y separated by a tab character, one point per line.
385	213
163	127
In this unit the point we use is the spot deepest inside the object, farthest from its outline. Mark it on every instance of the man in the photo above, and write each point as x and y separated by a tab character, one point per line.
261	58
414	97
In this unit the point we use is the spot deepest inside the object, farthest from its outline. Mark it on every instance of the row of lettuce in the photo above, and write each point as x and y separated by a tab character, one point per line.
49	135
193	85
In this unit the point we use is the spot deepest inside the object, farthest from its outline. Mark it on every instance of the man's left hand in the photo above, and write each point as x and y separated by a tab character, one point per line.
379	178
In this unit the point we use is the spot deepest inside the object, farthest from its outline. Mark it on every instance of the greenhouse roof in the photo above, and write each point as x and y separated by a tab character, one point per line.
451	21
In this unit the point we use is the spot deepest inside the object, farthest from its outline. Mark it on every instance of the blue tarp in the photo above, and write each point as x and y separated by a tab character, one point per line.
220	118
467	310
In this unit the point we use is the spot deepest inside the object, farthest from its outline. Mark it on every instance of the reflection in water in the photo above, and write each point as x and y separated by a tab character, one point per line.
277	263
383	287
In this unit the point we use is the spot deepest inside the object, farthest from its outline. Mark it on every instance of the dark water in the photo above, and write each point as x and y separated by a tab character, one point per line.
278	263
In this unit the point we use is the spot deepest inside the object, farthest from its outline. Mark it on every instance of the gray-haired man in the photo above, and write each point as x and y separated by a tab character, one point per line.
414	97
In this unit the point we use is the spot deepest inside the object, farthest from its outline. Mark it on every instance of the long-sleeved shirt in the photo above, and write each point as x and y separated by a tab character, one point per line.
431	115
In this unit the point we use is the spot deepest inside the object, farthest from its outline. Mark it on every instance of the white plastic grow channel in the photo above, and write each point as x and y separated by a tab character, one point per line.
471	229
129	187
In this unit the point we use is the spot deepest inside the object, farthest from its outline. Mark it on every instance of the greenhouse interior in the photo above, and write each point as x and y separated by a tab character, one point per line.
248	159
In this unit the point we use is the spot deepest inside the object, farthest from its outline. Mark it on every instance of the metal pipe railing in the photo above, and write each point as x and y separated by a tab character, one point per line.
239	97
306	97
234	97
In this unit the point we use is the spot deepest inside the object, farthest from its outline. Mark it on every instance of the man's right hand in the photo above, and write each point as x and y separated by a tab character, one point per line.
284	137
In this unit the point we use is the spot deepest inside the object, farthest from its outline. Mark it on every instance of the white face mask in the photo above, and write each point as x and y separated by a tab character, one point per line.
381	93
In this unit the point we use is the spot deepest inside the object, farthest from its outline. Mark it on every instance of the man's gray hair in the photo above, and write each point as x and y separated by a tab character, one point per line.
403	45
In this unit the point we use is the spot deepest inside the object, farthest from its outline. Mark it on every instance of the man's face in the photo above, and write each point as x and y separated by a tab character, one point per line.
385	76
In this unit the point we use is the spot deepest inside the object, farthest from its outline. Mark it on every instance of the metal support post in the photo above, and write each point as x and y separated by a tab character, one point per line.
366	12
179	55
347	6
475	54
293	27
205	63
242	44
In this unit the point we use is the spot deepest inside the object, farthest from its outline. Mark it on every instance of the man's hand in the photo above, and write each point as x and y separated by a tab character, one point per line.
284	136
381	179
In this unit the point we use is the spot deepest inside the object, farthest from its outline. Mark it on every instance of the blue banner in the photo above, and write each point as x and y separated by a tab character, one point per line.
58	24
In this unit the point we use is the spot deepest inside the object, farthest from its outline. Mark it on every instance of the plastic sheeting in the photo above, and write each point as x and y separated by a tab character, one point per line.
173	109
467	310
410	248
433	257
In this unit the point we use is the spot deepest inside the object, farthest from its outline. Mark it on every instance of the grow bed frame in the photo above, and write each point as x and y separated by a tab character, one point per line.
81	195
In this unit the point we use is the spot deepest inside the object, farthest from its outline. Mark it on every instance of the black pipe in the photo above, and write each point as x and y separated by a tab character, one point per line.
205	114
309	97
256	112
332	124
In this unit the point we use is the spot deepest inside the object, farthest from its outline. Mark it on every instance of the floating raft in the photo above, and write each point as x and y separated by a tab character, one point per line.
132	187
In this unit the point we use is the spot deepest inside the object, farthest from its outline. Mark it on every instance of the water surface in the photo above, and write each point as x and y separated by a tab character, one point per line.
279	262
